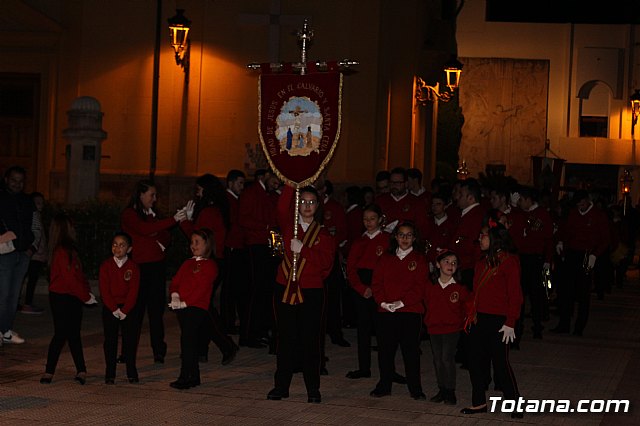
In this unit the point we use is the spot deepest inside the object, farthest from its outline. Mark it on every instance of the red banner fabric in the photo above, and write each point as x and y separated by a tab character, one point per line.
299	119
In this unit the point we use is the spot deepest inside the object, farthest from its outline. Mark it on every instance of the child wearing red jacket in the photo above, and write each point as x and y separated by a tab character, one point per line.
444	299
119	281
191	290
364	254
399	280
68	291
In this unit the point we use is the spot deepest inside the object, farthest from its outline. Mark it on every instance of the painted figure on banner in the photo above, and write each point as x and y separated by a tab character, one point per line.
299	113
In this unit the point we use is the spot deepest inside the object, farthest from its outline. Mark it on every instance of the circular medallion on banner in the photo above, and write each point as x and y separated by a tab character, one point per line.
412	265
127	275
454	297
379	251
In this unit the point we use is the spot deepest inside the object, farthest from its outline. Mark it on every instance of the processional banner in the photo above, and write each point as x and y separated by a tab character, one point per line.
299	118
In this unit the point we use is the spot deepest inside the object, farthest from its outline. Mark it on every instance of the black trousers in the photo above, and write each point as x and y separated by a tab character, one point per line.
129	327
334	284
259	316
462	356
152	298
298	330
194	322
67	320
533	288
234	273
214	332
443	349
33	274
486	348
393	330
575	287
366	314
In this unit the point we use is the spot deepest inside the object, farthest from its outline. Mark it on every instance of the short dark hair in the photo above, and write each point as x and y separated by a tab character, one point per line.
383	175
580	195
124	236
15	169
398	171
473	187
414	173
528	192
234	175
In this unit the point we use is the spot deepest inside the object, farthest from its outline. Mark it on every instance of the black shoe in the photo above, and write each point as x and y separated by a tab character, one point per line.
230	356
81	378
419	396
439	397
276	394
184	384
397	378
314	397
379	393
158	359
340	341
324	371
109	381
46	378
358	374
471	410
450	397
133	379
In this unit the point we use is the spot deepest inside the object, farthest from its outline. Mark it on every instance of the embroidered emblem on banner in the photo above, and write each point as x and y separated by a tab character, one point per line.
299	123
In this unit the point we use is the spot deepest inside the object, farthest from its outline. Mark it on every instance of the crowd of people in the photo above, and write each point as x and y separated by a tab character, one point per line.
460	264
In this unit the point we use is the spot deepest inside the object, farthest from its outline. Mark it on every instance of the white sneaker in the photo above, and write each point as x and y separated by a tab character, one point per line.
12	337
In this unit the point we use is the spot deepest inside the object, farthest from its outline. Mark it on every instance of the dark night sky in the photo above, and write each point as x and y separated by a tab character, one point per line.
564	11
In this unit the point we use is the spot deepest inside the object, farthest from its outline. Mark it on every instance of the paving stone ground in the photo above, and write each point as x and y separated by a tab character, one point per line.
602	365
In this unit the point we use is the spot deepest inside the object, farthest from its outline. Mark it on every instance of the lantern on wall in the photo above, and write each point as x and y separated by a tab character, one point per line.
179	27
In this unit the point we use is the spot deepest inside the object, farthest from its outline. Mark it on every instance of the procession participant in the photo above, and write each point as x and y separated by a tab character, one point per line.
399	205
150	236
494	309
582	237
299	303
398	286
441	228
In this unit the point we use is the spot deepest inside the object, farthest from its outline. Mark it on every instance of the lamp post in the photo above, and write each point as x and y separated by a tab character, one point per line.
625	186
426	94
179	27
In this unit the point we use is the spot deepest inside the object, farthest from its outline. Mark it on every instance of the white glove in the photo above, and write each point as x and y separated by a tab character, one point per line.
92	300
296	245
546	266
559	248
119	314
509	334
387	306
514	199
180	215
591	261
391	226
397	305
183	304
188	209
175	301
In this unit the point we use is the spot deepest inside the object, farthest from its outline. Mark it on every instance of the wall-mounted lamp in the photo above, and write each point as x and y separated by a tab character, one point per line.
462	171
179	27
426	93
635	109
625	181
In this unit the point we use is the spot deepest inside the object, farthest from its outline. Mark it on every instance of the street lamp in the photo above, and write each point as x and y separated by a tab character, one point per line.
625	186
635	109
425	94
179	27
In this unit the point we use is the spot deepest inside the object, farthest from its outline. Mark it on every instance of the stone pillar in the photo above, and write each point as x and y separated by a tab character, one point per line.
83	151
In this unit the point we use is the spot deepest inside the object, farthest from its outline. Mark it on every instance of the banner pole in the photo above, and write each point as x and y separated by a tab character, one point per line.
296	218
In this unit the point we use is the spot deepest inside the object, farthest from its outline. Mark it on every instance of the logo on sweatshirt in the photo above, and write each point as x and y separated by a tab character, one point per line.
412	265
127	275
454	297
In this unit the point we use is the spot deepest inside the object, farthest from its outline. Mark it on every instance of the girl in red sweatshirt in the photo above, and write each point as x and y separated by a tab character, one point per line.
119	282
68	291
399	280
190	290
444	299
